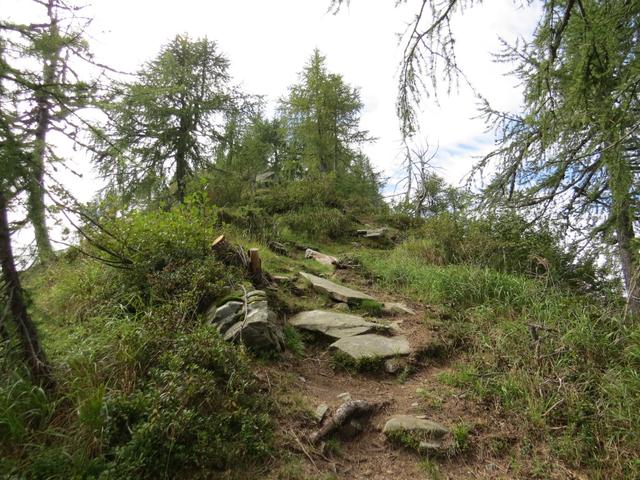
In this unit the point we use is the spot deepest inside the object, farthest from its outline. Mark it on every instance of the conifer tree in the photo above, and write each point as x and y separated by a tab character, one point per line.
48	94
323	117
166	125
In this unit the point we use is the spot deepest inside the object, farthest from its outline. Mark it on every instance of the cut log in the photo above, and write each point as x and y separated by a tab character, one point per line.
344	413
229	254
258	277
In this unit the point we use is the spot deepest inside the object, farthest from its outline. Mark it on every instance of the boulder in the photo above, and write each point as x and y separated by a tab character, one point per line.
256	327
258	332
229	309
372	346
320	257
335	291
334	324
417	433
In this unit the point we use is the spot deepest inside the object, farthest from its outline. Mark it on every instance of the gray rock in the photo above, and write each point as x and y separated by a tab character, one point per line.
229	309
320	257
335	291
392	308
414	432
370	346
394	365
340	307
256	294
334	324
321	412
373	233
223	325
258	332
257	305
345	397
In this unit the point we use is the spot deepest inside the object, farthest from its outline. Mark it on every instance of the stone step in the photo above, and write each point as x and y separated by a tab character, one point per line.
335	291
335	324
372	346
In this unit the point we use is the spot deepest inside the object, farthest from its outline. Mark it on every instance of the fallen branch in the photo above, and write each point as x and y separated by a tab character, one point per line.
352	408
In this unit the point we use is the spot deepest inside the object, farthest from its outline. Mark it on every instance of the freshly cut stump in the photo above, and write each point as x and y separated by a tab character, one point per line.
372	346
335	291
334	324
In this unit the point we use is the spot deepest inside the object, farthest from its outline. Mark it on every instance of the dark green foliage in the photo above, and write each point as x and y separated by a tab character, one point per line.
196	410
146	390
165	126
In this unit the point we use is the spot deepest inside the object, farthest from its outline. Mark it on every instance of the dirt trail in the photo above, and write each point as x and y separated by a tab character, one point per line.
312	380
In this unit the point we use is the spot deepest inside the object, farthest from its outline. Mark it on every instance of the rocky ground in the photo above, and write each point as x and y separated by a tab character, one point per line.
388	360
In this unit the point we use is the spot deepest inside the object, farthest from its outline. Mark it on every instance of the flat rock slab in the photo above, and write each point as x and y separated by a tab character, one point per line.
335	291
426	429
419	434
372	346
334	324
392	308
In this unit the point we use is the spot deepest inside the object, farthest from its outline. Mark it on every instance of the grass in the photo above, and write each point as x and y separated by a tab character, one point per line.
342	361
431	469
570	382
146	389
293	340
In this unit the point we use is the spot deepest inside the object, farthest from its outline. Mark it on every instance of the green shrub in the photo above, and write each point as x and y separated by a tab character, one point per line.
145	390
506	243
317	223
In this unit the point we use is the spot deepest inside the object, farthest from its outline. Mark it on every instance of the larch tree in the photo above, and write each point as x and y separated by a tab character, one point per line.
571	154
15	165
323	117
48	93
166	125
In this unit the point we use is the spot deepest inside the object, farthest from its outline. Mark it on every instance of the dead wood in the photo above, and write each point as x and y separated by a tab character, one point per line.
344	413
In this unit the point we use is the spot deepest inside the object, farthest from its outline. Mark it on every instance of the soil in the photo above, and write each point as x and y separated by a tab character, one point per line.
495	448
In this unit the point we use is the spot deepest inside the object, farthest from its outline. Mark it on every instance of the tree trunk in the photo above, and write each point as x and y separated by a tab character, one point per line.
32	351
628	261
36	201
621	183
181	175
37	209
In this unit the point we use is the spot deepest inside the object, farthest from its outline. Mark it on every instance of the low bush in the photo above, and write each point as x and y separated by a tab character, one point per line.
145	389
506	243
316	223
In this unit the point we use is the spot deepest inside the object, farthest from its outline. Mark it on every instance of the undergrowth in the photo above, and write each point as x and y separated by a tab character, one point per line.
565	363
146	389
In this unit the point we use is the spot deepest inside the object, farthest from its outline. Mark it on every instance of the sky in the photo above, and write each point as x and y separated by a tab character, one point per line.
268	43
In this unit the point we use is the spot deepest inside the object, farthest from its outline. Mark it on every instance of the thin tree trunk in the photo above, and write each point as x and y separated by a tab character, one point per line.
181	175
628	261
181	155
620	183
36	201
32	351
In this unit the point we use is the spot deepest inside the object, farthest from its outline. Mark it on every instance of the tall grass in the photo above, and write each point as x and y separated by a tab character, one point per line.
563	362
